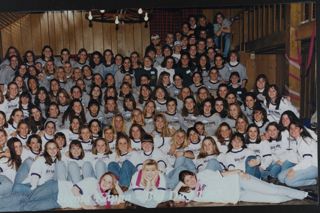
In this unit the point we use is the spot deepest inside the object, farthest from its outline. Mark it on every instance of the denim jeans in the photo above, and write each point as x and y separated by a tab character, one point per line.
284	170
255	170
43	197
87	170
226	39
214	165
304	177
181	163
255	190
5	185
21	175
100	168
123	172
273	170
61	171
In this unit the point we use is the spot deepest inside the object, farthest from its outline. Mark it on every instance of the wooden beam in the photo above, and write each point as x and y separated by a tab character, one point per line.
304	31
274	40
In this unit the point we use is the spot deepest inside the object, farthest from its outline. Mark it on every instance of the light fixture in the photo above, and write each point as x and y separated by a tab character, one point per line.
120	16
116	21
90	17
146	18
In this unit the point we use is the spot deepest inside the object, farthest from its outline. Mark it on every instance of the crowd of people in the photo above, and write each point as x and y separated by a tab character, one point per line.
177	124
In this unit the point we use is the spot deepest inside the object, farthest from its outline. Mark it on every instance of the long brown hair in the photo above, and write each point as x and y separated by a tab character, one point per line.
46	155
218	132
114	180
203	153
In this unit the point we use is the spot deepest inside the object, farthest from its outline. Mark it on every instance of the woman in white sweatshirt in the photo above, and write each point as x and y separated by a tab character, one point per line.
305	172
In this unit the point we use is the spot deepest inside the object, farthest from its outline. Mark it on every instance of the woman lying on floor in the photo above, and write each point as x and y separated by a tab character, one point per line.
89	193
232	187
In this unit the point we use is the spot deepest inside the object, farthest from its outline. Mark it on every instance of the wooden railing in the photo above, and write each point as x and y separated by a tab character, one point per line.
261	21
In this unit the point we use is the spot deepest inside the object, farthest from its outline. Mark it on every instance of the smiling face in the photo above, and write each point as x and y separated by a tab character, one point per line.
147	147
106	183
123	145
17	116
225	132
285	120
253	133
17	148
75	151
194	136
159	123
295	131
208	146
101	146
237	143
273	131
23	129
52	149
150	172
190	181
207	108
35	145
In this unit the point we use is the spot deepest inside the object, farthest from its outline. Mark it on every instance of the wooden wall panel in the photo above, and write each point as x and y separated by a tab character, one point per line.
70	29
25	35
78	30
87	34
129	39
58	32
71	32
44	29
36	32
51	28
97	36
65	29
106	29
121	39
16	34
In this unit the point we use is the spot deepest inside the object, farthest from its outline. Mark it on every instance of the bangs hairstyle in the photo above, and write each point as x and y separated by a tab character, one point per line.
47	157
94	146
78	144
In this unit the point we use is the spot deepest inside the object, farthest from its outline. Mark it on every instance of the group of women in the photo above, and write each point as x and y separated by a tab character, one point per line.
176	125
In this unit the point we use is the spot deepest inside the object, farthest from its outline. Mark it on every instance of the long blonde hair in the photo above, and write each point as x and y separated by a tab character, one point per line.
166	132
174	144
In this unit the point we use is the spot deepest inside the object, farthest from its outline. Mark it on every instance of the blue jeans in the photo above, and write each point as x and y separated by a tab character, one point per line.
43	197
21	175
87	170
284	170
214	165
273	170
123	172
5	185
304	177
255	170
181	163
100	168
226	39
